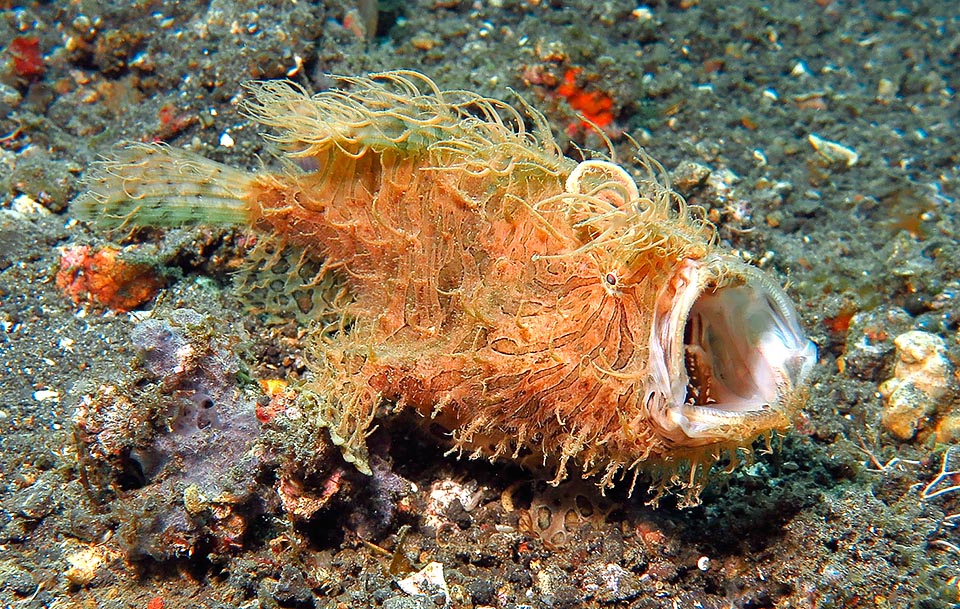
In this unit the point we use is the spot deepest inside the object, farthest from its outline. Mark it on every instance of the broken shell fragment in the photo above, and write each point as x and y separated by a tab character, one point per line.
833	152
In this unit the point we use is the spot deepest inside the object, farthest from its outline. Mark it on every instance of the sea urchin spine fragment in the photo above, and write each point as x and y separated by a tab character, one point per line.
538	308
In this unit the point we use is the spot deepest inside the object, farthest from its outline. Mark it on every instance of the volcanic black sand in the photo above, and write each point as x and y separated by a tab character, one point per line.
140	459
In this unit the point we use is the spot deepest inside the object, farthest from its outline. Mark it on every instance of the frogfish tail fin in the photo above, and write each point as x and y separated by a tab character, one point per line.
156	185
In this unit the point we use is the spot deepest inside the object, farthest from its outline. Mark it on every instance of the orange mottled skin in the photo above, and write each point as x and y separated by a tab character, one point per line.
470	312
500	289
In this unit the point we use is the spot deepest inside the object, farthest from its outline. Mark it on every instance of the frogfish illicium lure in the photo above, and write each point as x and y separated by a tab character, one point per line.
456	263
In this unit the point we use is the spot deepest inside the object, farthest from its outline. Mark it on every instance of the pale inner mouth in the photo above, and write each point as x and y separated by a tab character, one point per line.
731	352
732	347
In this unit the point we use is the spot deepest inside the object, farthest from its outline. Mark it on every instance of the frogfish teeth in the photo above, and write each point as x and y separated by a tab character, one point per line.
453	261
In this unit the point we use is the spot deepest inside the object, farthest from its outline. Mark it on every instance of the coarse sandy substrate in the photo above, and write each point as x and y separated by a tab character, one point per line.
820	137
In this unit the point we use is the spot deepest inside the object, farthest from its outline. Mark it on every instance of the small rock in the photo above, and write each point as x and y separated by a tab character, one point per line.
886	90
442	495
36	501
906	411
9	96
610	583
688	176
84	565
869	341
381	594
458	515
482	591
922	380
833	152
13	530
948	429
556	588
46	184
26	206
428	582
408	602
292	589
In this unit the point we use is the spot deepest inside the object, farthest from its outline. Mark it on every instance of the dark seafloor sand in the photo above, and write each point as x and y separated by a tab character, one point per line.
841	515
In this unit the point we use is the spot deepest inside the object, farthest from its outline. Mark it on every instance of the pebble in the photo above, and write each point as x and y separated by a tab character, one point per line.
10	96
429	582
27	206
408	602
36	501
555	587
869	341
922	378
292	589
688	176
84	565
482	591
610	583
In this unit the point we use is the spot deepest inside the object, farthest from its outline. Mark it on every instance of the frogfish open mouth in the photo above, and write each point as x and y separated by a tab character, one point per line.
452	261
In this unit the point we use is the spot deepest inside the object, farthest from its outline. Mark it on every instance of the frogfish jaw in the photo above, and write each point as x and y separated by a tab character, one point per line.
728	358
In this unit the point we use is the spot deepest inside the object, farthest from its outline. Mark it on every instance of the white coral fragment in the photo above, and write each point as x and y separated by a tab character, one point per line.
428	582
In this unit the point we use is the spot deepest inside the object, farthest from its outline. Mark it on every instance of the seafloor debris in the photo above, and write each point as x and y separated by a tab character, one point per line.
27	57
87	563
556	514
106	277
833	152
555	79
869	340
553	311
177	439
446	498
920	389
428	582
196	454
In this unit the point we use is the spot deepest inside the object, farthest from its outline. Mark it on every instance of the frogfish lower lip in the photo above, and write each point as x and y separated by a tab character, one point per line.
727	353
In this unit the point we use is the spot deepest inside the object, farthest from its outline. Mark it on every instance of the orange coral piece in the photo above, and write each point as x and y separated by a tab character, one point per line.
105	278
155	603
839	324
595	106
27	59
